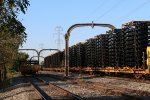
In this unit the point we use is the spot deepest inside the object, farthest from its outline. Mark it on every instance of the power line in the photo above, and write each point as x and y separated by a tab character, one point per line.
133	11
41	45
109	10
137	8
147	17
96	9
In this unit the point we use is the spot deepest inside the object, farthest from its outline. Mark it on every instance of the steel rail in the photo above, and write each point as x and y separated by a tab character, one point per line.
131	97
74	96
40	92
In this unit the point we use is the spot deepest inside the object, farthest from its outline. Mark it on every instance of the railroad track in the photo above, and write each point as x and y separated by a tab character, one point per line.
49	91
40	92
121	91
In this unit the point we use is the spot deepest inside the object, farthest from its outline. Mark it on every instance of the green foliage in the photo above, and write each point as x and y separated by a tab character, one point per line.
20	56
13	7
12	32
12	35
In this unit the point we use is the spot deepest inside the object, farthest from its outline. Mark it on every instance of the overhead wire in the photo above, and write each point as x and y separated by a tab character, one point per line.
147	17
133	11
96	9
115	6
101	4
137	8
109	10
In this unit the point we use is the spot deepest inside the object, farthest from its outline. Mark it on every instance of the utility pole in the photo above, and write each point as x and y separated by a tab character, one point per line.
40	48
59	41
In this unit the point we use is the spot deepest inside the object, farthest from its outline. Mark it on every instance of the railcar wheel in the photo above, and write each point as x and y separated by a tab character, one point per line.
143	77
138	76
147	77
91	73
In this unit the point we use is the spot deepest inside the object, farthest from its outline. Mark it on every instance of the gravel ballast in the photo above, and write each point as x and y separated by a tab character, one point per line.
102	87
19	92
88	87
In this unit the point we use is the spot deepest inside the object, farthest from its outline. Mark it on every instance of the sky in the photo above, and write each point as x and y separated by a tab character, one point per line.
44	17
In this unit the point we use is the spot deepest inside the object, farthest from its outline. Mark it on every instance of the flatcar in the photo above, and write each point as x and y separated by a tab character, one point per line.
125	51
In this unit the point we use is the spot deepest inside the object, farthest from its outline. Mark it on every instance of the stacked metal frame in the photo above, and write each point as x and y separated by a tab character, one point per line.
73	56
47	61
54	60
97	51
80	55
112	48
116	48
70	57
62	58
136	42
102	53
90	52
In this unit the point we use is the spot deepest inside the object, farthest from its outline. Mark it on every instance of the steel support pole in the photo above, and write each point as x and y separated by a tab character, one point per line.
35	56
66	55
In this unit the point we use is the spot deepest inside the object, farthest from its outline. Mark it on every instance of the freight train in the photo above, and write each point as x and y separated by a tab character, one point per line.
125	50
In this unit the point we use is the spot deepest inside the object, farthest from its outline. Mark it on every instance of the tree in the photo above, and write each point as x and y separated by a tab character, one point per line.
12	32
20	56
11	8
